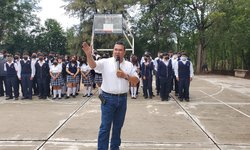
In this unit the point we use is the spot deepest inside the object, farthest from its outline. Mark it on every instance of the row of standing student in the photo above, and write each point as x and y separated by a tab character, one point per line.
170	71
41	75
64	76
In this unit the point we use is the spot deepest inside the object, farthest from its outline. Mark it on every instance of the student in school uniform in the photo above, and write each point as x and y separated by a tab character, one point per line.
174	63
165	73
136	67
62	64
12	70
42	74
147	76
72	69
27	73
157	79
34	60
86	78
2	74
17	60
56	79
184	74
79	60
98	76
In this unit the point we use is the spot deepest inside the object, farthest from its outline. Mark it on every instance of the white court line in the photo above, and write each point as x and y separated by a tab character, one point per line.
226	104
220	91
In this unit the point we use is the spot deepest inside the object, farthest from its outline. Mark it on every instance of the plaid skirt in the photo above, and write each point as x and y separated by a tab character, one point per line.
70	79
88	81
98	78
58	82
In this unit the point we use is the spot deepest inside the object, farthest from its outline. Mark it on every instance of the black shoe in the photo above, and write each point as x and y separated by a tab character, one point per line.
187	99
67	97
16	98
9	98
76	94
59	97
54	98
150	97
145	97
181	99
73	96
23	98
85	95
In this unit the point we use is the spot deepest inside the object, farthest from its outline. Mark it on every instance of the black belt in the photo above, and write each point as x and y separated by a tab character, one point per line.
121	95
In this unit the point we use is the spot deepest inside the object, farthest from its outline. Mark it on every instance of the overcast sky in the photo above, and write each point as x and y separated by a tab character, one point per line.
52	9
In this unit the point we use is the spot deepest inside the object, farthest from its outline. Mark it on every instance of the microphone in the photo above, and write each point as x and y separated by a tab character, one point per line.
118	62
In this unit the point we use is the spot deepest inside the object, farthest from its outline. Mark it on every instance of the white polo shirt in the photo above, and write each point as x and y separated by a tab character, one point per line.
111	83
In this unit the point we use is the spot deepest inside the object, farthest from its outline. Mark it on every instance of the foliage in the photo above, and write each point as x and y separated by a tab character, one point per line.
215	32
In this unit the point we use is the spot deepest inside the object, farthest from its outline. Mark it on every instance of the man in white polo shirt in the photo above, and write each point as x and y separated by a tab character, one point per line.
116	74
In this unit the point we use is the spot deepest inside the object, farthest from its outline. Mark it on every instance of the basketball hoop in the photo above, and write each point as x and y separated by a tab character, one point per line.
111	24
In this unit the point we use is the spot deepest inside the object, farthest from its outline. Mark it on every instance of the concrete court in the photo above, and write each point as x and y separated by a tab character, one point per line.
217	117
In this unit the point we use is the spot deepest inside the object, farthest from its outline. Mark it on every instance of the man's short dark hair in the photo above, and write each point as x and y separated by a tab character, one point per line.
121	43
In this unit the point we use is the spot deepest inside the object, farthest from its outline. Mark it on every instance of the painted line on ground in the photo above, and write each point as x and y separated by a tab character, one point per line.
201	127
63	122
226	104
216	93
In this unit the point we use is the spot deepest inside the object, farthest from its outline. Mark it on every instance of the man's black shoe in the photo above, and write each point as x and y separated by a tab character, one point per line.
187	99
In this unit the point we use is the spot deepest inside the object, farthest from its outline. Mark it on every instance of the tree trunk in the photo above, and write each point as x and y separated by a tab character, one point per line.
199	58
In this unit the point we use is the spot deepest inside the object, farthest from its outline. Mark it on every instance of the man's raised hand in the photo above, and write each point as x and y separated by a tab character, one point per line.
87	49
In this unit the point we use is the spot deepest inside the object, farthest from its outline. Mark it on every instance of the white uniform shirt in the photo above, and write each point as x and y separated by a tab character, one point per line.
85	68
184	62
33	68
174	63
72	64
111	83
55	69
17	68
156	63
166	62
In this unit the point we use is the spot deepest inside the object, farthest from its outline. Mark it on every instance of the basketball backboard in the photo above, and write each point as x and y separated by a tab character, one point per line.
111	24
108	23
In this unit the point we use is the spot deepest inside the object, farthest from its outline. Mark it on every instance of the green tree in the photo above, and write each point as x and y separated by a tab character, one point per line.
16	17
51	37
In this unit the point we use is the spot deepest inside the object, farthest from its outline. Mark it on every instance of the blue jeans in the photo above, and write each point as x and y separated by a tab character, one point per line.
113	113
